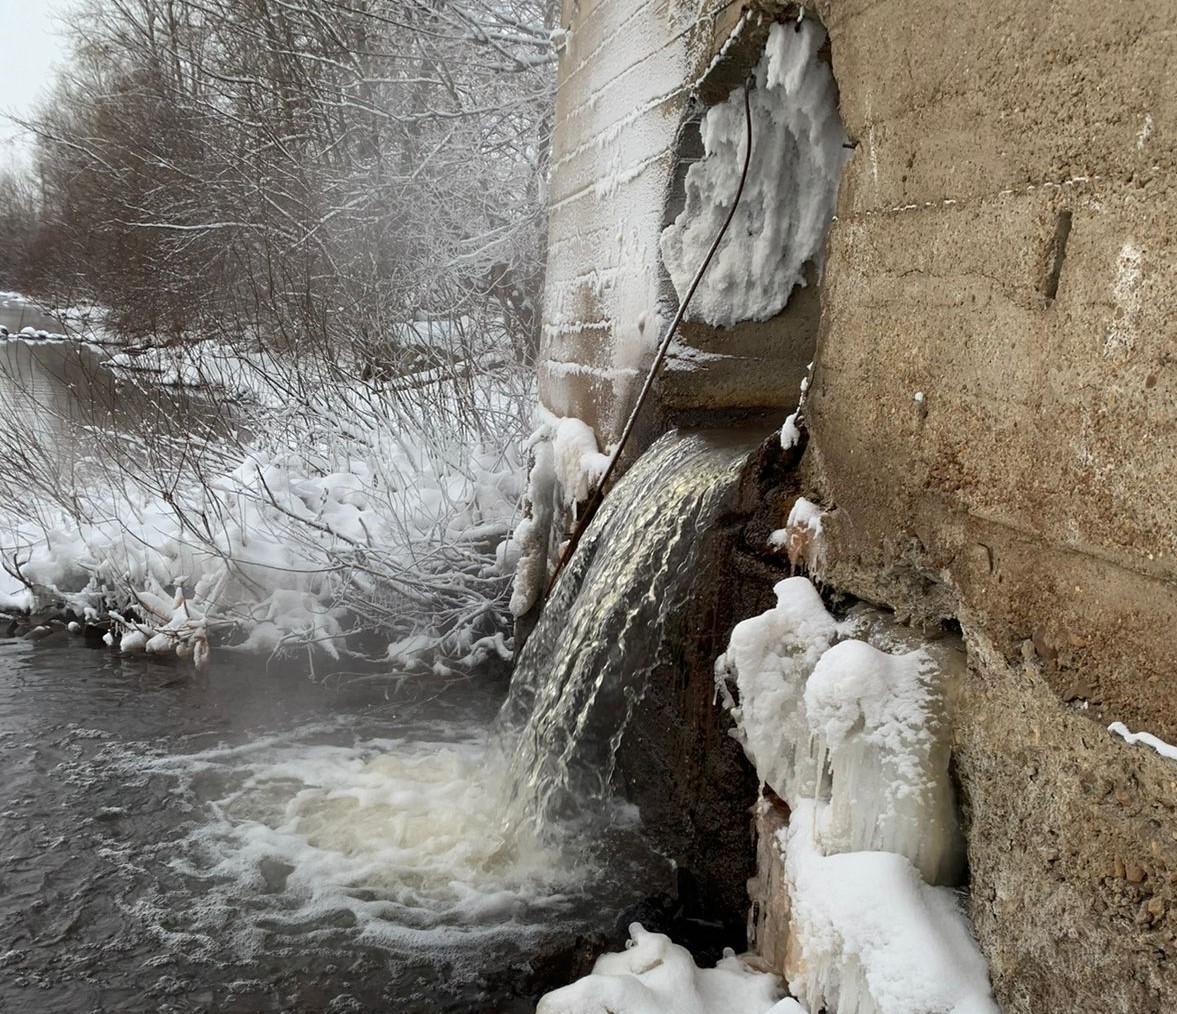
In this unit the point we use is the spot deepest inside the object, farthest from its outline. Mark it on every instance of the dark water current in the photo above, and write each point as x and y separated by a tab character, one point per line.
254	840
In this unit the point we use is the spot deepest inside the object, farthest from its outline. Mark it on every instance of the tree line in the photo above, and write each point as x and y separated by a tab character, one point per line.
304	175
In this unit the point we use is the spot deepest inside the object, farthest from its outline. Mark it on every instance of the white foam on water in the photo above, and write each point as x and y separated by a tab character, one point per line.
398	842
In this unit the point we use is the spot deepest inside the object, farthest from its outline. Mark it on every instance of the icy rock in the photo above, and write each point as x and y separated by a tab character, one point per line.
132	642
802	538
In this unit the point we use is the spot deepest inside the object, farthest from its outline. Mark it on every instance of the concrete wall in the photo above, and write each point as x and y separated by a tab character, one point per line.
628	71
1003	249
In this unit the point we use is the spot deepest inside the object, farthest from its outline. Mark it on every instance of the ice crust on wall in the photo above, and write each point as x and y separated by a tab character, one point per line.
655	976
566	467
803	538
854	738
872	937
798	151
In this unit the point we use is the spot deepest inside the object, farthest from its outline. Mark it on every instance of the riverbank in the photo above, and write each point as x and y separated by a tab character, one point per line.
201	493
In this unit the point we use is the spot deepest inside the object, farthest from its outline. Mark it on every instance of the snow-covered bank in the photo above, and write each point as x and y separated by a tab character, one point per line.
318	507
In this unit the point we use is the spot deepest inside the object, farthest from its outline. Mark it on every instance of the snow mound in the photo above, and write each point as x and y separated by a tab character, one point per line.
567	465
655	976
780	226
873	938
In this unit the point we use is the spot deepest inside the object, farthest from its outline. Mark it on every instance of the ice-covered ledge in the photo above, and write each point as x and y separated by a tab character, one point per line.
858	856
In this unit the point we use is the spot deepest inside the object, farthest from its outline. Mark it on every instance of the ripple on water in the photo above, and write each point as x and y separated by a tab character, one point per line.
250	841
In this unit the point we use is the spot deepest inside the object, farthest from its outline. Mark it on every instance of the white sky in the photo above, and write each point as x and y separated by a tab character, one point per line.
30	49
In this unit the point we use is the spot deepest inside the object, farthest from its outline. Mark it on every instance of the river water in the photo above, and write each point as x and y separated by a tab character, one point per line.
61	404
262	837
254	839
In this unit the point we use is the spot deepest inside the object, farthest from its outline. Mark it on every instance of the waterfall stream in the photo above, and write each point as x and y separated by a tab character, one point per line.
587	665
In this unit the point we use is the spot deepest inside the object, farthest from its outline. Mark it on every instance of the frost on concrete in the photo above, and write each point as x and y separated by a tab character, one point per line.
654	976
854	738
798	150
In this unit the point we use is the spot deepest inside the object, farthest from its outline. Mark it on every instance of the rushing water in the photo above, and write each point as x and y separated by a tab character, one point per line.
254	840
587	665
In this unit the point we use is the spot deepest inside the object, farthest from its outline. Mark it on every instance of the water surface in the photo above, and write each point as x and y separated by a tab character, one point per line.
252	839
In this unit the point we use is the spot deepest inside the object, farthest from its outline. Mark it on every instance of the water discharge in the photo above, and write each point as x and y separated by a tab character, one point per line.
255	840
587	665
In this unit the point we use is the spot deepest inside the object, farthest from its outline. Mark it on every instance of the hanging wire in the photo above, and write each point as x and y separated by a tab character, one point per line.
598	493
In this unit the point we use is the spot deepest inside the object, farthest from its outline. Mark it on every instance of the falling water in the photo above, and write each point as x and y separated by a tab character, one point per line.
587	665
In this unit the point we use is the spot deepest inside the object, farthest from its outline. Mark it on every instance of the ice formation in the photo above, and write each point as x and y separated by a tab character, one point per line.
654	976
872	937
798	150
802	538
566	467
855	740
1146	738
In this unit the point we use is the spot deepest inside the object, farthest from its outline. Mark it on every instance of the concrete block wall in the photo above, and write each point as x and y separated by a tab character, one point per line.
1003	250
992	420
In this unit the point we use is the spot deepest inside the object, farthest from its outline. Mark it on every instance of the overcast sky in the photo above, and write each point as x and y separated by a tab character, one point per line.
30	48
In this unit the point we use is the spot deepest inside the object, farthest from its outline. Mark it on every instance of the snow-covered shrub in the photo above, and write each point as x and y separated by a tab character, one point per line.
317	508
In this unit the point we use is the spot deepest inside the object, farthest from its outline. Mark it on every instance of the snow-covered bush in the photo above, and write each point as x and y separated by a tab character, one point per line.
319	507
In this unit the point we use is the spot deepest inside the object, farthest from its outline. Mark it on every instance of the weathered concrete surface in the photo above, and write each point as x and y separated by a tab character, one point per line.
1004	250
1072	838
624	131
1038	474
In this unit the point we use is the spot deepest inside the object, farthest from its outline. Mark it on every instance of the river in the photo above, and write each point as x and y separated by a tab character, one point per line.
253	839
262	836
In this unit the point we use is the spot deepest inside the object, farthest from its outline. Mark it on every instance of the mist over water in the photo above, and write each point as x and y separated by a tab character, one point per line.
253	840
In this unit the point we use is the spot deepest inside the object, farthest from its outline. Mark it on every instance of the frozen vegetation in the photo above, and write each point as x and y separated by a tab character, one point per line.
316	508
780	226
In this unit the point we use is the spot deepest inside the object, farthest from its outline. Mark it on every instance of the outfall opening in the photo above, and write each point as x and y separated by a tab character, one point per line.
751	330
